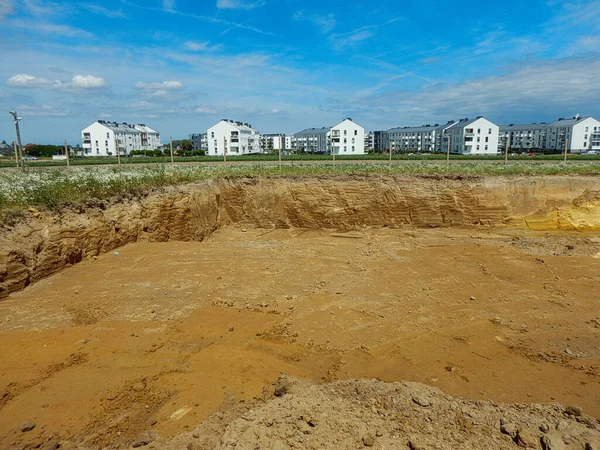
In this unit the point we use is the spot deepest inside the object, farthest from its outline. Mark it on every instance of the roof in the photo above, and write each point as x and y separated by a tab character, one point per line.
567	122
524	126
312	131
122	127
421	129
239	125
145	128
465	122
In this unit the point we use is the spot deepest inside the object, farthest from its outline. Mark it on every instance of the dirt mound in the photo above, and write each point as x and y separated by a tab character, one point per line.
369	413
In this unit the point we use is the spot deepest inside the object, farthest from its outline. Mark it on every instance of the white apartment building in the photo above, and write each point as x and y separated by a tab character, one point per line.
478	136
345	138
288	142
583	134
103	138
348	138
149	137
272	142
233	138
199	141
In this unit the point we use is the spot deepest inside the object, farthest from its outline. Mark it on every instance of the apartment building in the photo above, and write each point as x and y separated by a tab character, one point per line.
583	134
288	142
528	136
345	138
478	136
369	138
380	141
233	138
426	138
199	141
270	143
103	138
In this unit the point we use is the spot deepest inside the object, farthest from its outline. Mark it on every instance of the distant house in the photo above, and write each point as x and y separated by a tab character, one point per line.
345	138
199	141
103	138
234	138
272	142
478	136
6	149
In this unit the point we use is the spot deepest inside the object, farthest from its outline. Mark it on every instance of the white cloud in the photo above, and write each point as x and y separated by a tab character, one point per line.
6	8
339	41
165	85
101	10
169	5
42	110
50	29
326	23
239	4
206	110
200	46
88	82
25	80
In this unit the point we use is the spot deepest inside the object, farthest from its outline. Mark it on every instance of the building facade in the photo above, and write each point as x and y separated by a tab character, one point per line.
288	142
473	137
103	138
270	143
582	133
199	141
345	138
233	138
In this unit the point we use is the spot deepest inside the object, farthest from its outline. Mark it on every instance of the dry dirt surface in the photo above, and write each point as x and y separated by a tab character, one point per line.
143	345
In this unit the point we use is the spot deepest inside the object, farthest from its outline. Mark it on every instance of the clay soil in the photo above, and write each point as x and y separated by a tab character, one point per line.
156	338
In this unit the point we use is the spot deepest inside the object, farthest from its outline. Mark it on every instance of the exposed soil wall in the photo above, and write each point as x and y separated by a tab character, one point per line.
47	242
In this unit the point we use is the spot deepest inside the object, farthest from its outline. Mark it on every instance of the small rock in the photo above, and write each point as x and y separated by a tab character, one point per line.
412	445
525	439
421	401
138	387
195	435
231	329
116	254
143	440
496	321
552	442
568	351
544	428
509	428
573	411
589	446
28	426
52	444
368	440
244	230
282	386
471	298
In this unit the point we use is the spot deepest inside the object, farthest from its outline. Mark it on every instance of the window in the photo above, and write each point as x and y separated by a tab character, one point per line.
489	131
353	148
345	148
356	132
586	129
486	147
585	144
345	140
487	139
478	147
353	140
107	135
106	143
345	132
478	139
478	130
212	134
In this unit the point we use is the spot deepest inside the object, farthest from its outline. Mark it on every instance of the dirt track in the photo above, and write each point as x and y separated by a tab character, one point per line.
173	332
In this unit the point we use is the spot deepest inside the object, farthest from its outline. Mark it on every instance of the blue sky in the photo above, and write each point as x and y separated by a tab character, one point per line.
284	65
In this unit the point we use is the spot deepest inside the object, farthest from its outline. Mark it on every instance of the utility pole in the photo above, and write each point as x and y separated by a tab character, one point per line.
171	146
16	121
333	152
224	149
506	150
390	153
448	153
280	156
16	153
566	149
67	153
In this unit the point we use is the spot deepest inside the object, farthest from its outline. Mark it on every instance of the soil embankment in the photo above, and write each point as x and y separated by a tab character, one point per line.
46	242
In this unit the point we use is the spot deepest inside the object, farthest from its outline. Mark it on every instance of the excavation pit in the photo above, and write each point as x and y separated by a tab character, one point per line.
483	288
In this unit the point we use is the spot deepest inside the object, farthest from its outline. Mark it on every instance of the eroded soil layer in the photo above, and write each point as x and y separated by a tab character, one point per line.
148	342
45	243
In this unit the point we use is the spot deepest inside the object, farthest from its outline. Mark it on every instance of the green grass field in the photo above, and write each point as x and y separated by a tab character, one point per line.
53	187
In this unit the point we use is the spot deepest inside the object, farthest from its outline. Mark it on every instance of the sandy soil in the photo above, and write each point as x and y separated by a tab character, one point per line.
157	337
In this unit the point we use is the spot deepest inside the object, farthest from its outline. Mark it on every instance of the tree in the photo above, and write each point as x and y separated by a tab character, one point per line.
186	145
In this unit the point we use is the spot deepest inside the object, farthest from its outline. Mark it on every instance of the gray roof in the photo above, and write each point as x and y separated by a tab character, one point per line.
312	131
465	122
524	126
566	122
421	129
119	127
